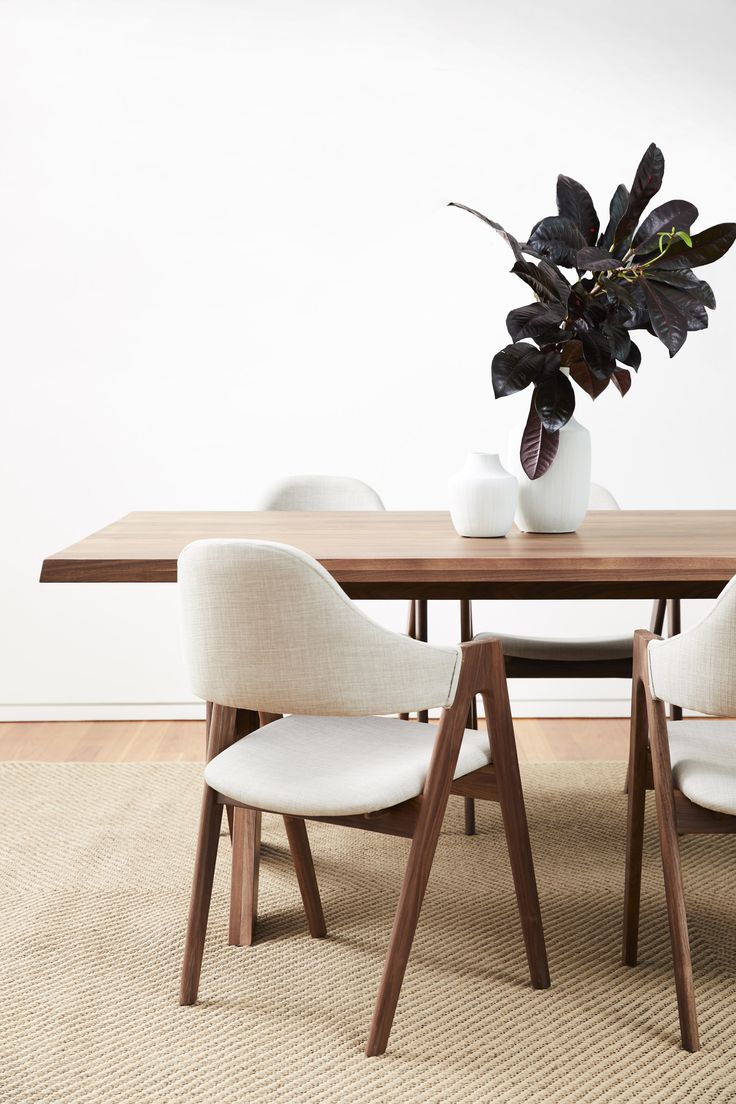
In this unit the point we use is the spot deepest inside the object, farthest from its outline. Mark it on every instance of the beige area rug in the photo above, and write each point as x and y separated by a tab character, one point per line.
96	861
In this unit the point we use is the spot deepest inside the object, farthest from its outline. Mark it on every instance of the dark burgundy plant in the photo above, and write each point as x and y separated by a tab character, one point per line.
641	278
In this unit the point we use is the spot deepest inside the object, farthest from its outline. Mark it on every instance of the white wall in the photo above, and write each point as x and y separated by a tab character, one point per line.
225	255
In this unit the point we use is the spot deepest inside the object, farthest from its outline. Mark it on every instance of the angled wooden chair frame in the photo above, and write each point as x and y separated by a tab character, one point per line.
650	768
420	819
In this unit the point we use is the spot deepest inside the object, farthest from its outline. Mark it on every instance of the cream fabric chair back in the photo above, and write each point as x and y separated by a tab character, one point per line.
321	492
697	669
601	498
265	627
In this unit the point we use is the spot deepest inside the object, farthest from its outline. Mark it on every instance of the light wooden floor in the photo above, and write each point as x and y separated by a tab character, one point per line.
552	740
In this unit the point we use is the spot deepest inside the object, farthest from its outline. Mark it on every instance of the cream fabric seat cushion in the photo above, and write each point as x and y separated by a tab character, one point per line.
568	650
703	755
334	766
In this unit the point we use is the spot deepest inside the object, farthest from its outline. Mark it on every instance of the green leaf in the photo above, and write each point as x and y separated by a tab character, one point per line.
686	238
707	246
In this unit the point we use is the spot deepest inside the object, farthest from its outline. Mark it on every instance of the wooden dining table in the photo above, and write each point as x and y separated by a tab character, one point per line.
418	554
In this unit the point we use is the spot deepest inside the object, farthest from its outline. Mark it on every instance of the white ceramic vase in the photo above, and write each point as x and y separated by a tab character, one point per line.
483	497
558	501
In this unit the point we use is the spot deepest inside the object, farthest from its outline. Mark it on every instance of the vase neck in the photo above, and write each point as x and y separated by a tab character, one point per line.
487	462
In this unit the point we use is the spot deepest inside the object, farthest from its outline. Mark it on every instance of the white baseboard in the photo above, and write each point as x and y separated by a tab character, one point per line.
104	711
194	711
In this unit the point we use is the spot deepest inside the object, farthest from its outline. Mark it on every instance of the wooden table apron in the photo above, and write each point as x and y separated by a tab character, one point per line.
391	554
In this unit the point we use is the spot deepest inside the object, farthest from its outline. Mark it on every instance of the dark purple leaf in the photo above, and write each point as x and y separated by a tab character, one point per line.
676	213
708	246
617	336
535	320
538	446
574	203
593	259
558	239
622	379
539	279
514	368
685	279
633	357
647	182
598	353
667	322
691	309
636	316
619	203
572	359
618	291
495	226
581	305
554	400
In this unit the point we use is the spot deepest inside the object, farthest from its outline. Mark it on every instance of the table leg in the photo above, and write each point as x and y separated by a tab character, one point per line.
674	627
420	625
466	633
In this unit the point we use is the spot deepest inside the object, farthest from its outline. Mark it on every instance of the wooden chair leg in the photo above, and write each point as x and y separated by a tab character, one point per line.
513	812
466	633
672	869
199	904
424	842
637	800
246	859
301	854
418	867
220	732
421	634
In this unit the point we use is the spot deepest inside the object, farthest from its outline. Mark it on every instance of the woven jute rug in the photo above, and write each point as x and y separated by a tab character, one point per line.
96	862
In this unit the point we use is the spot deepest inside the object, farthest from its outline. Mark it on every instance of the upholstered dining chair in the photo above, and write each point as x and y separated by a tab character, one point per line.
340	492
690	765
266	630
321	492
567	657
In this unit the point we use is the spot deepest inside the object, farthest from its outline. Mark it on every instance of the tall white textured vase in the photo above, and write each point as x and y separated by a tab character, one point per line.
482	497
556	502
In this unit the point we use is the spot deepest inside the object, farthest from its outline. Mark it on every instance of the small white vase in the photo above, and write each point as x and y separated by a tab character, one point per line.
558	501
483	497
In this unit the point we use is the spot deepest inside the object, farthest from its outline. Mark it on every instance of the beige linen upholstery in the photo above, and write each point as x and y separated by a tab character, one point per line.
334	766
600	498
697	668
267	628
703	755
321	492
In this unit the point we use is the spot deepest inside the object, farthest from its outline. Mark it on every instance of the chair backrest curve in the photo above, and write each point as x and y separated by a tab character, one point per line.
697	668
321	492
265	627
601	498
